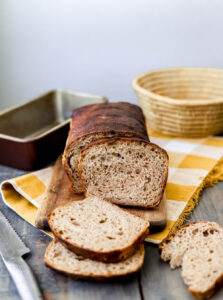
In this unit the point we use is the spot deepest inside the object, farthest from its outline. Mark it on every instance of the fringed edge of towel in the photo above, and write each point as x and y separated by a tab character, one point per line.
213	177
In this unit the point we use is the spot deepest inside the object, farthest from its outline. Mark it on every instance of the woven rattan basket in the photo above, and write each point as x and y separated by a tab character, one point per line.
185	102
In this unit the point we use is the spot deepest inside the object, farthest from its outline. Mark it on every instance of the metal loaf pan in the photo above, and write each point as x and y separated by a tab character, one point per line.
34	134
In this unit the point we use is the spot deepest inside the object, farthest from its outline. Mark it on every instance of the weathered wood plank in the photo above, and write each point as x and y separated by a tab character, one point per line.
158	280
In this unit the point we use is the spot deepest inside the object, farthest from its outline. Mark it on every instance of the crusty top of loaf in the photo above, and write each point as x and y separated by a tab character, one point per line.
118	117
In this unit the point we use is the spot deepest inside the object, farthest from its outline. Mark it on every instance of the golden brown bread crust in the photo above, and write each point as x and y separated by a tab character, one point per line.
106	257
108	278
124	139
118	117
106	119
112	278
172	234
210	292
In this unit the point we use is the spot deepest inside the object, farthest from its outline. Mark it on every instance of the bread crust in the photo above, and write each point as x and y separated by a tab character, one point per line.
219	281
124	139
108	256
113	119
108	278
172	234
211	291
120	117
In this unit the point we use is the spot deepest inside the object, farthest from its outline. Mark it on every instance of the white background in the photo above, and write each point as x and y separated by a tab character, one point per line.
100	46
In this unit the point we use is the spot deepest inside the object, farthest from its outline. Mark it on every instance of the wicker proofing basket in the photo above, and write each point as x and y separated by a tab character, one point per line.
185	102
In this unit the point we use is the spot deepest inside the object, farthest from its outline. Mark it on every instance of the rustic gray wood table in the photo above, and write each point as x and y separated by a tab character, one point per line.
155	282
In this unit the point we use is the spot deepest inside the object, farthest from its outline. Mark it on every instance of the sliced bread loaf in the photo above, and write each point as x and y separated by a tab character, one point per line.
61	259
96	121
97	229
124	171
197	247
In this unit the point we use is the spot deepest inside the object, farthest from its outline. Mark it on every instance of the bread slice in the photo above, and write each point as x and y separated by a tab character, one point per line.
197	247
97	229
124	171
61	259
96	121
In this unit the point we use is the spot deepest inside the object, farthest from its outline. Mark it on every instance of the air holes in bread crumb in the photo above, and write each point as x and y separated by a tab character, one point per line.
195	231
103	220
110	237
74	222
56	254
205	233
148	179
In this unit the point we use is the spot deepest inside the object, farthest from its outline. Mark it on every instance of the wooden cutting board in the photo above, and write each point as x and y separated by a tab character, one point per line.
60	192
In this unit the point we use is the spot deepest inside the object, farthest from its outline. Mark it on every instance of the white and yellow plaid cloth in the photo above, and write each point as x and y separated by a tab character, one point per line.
193	164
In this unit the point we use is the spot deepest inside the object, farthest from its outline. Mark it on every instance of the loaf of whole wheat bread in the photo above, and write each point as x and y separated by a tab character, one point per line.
61	259
96	121
197	247
125	171
97	229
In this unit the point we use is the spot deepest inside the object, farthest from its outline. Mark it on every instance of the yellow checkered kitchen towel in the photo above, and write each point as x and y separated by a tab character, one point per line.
193	164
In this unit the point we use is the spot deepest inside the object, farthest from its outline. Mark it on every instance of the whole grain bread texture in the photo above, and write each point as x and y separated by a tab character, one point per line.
97	229
125	171
197	247
96	121
61	259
